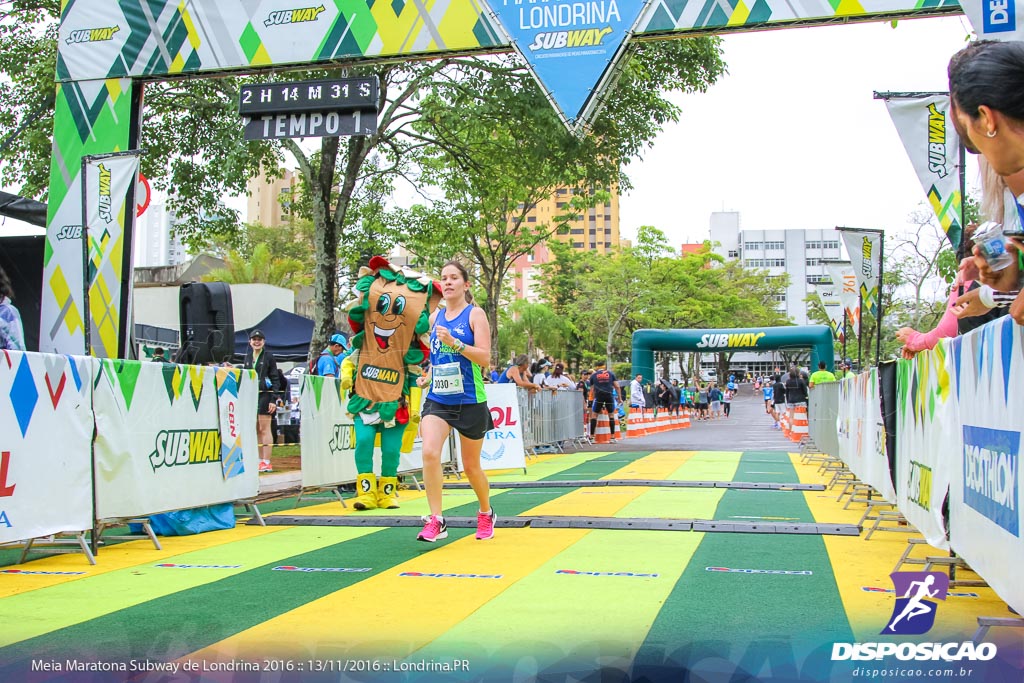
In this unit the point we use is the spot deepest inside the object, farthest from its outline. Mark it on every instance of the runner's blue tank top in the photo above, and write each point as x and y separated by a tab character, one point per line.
473	390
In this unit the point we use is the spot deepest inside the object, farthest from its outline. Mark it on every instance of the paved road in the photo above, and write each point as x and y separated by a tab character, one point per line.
747	429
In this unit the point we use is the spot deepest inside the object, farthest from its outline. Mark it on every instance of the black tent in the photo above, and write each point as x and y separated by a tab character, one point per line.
288	336
22	208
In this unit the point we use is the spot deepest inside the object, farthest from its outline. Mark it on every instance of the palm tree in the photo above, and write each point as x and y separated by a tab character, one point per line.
260	267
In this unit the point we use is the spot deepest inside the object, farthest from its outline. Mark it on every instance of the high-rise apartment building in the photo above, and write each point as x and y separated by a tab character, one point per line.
154	243
798	253
597	229
270	199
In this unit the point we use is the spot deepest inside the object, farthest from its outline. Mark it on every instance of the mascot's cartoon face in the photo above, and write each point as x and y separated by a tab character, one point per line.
391	322
391	318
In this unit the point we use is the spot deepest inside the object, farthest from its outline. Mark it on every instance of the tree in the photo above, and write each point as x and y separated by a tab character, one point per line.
260	266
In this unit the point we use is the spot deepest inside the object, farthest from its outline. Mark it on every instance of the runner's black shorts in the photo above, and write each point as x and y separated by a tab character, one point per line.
471	420
265	399
603	401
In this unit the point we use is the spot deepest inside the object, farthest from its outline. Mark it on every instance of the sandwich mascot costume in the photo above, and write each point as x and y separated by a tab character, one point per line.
390	319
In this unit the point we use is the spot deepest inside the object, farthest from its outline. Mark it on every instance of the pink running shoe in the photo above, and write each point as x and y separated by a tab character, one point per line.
485	525
434	528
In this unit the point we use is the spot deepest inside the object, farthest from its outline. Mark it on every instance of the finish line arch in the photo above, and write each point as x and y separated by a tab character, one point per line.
818	338
108	50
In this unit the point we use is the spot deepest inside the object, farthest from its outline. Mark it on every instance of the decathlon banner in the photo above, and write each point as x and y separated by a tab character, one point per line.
933	147
995	19
503	447
985	502
829	297
845	282
158	443
45	444
865	250
108	180
237	403
862	432
927	438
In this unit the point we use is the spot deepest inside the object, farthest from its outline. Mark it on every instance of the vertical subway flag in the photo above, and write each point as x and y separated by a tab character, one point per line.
934	148
572	48
865	250
845	282
829	296
107	182
996	19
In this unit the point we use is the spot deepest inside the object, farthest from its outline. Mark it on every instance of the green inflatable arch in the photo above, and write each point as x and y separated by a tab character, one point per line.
816	337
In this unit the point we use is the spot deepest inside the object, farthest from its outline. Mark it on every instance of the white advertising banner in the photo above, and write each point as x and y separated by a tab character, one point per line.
927	133
503	447
829	296
865	250
927	434
107	183
995	19
984	499
327	434
45	444
862	433
845	281
237	403
158	443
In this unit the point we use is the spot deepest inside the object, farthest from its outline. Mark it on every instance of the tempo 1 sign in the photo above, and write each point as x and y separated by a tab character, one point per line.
311	125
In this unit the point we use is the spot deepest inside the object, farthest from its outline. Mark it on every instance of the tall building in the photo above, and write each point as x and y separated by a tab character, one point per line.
596	230
153	243
270	199
795	252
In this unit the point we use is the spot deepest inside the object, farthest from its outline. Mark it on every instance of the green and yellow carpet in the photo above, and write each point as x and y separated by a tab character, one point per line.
333	603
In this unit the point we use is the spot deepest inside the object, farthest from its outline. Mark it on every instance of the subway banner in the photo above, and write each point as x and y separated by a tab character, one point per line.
862	433
326	432
45	435
158	442
865	250
829	296
927	431
985	503
927	133
108	180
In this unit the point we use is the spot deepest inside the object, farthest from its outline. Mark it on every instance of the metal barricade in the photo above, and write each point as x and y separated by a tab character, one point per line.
551	418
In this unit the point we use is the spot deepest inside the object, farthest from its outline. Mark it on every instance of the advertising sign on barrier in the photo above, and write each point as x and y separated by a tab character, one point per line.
862	433
984	498
927	431
327	434
158	443
503	445
45	433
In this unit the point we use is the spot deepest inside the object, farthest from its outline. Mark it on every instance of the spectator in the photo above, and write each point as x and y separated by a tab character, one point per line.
517	374
637	402
329	363
559	380
986	82
821	376
12	334
538	370
268	379
160	355
727	398
715	398
796	388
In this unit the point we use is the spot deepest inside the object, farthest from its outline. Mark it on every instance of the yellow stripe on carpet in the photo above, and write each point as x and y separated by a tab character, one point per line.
131	580
395	614
870	610
550	616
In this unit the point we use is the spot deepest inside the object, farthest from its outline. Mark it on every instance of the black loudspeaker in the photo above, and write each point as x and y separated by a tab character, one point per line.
207	323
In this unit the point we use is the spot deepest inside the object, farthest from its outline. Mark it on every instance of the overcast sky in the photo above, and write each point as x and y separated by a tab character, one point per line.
791	137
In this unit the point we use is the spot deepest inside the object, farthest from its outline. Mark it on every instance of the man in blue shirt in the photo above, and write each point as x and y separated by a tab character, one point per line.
329	363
